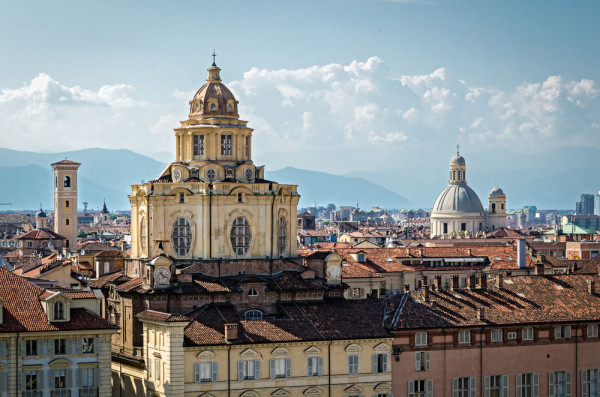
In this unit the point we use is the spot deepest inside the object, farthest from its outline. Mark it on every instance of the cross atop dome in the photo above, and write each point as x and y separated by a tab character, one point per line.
457	150
214	58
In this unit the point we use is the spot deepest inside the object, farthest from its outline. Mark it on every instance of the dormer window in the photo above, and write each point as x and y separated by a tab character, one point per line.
253	314
253	292
213	107
230	107
229	173
59	310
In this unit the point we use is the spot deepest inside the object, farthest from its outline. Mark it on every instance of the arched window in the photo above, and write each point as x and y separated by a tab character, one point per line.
502	205
67	203
59	311
67	181
213	106
181	237
282	235
253	292
241	236
143	236
230	107
253	314
493	208
66	222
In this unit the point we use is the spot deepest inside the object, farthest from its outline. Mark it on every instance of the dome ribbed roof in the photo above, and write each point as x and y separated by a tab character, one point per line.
40	214
496	191
214	92
458	159
458	198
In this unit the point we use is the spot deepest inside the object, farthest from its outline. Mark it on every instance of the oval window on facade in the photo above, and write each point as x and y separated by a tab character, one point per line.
241	235
282	235
249	174
181	237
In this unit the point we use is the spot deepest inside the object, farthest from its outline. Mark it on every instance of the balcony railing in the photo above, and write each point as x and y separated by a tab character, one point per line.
60	393
88	392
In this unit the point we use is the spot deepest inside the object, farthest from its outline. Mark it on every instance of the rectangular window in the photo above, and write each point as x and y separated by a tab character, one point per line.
379	362
247	146
31	347
157	368
353	363
198	145
280	367
589	383
60	346
314	366
445	228
421	339
562	332
226	146
528	385
421	361
511	335
59	379
559	384
248	369
496	335
463	227
356	292
420	388
527	333
496	386
87	345
592	331
32	380
205	372
464	336
89	381
463	387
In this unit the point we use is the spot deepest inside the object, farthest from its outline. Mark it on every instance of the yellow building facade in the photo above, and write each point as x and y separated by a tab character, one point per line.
65	201
212	202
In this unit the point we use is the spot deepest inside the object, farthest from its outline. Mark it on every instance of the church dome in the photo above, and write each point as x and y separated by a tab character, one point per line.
496	191
458	159
40	214
458	198
214	98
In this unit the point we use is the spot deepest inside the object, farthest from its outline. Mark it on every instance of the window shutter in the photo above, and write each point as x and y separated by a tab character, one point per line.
426	360
320	366
272	368
568	383
536	385
3	381
472	386
3	352
97	377
417	361
78	345
196	372
374	363
454	387
68	344
69	375
240	370
385	362
557	332
411	388
551	377
23	347
349	364
214	369
288	367
23	380
504	385
96	345
309	371
79	377
486	384
567	331
584	376
51	345
256	369
429	387
519	387
40	375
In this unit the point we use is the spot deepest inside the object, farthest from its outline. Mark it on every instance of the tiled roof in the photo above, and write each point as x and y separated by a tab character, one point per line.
117	277
153	315
75	293
112	253
41	234
66	162
131	285
590	267
23	310
522	300
326	320
96	246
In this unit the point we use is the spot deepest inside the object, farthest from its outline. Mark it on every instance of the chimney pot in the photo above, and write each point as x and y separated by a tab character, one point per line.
426	294
539	269
591	287
480	314
483	281
406	287
500	281
472	281
231	331
423	281
454	283
437	281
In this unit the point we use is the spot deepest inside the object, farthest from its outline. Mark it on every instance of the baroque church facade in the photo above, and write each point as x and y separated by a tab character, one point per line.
213	202
457	211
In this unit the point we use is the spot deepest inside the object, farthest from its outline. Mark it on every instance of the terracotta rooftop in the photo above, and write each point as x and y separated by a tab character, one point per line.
41	234
153	315
23	310
522	300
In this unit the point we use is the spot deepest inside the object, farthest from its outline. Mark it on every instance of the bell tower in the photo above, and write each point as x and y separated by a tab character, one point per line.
496	209
65	201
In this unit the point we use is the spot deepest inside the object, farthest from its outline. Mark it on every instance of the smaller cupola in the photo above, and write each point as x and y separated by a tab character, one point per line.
57	306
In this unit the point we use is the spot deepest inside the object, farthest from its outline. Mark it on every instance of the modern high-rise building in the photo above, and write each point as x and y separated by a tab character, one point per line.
586	205
597	204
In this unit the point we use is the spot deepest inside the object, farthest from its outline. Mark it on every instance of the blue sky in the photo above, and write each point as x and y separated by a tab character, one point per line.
371	79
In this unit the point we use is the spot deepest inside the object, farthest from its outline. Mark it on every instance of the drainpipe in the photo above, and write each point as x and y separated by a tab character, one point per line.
210	224
329	369
229	371
481	361
444	368
576	359
272	222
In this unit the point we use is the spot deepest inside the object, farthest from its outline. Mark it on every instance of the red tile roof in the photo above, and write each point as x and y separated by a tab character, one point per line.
41	234
23	311
153	315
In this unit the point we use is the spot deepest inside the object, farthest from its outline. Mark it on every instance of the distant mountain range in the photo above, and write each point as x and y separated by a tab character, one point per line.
106	174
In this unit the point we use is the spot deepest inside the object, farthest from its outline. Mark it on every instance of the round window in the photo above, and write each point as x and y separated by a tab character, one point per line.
249	174
211	174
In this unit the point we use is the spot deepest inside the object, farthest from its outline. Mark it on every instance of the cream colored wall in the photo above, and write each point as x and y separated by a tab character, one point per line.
61	212
164	209
62	275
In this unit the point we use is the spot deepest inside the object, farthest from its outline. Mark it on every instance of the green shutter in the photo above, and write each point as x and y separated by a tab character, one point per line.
320	366
288	367
472	385
97	377
429	387
411	388
417	361
96	346
454	387
256	369
69	376
374	368
426	361
240	370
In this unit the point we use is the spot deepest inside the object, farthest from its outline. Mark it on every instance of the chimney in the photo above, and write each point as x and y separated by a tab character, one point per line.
421	252
437	281
483	281
454	282
480	313
407	251
500	281
426	294
423	282
468	251
591	284
231	332
539	269
521	254
406	287
472	281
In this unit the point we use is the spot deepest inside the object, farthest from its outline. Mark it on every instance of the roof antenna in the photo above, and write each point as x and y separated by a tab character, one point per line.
214	56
